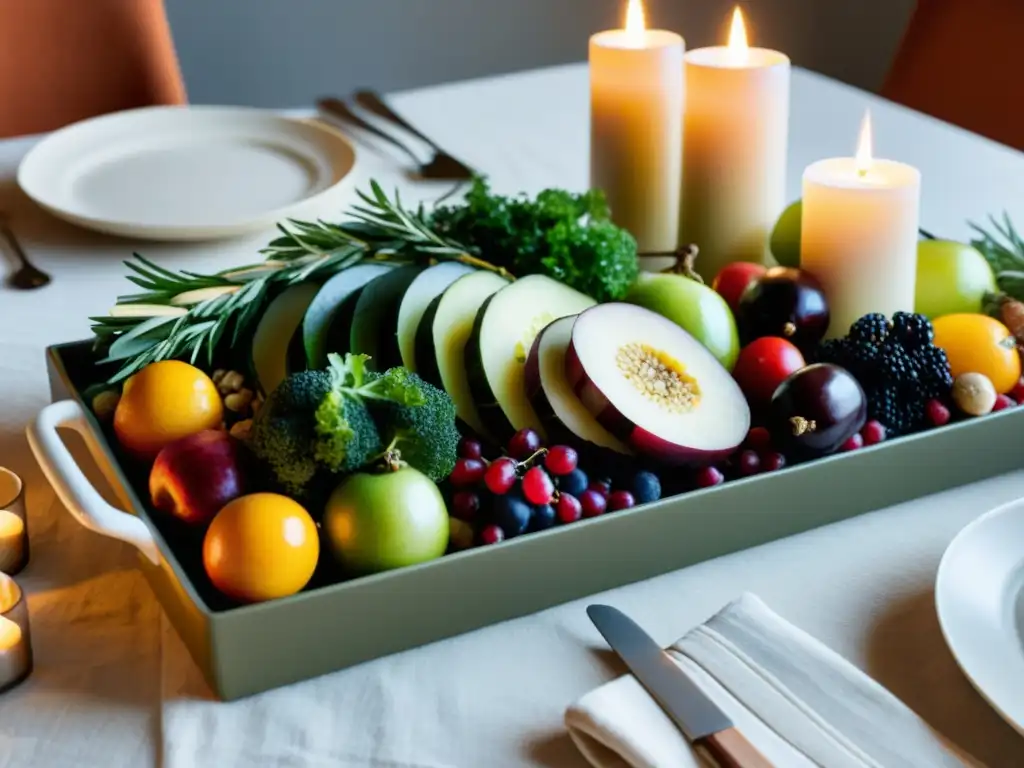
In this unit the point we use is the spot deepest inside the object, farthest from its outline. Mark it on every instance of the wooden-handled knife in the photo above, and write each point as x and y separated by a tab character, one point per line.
704	725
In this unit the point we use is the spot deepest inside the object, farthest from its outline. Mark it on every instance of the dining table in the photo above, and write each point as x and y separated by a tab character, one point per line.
110	674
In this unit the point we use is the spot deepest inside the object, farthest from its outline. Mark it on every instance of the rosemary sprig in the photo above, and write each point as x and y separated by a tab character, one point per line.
186	315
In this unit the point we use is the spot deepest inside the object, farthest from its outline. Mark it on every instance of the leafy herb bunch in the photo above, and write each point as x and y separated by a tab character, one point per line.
187	315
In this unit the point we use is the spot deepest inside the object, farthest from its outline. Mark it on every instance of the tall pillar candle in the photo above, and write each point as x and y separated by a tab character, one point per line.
636	121
860	233
735	135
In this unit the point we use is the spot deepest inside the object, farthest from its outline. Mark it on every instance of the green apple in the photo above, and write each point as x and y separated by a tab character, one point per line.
379	521
952	278
785	240
698	309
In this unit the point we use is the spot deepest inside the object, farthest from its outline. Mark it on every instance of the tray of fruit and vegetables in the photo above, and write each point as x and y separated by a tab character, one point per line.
414	423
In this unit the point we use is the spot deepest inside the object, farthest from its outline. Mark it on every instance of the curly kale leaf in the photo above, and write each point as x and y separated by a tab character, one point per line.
598	259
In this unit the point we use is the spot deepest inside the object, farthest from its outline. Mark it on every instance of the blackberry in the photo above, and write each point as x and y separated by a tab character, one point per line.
892	408
896	365
912	331
872	328
835	351
864	362
933	370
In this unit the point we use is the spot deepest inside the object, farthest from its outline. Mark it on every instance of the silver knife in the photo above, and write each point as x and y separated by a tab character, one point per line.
701	721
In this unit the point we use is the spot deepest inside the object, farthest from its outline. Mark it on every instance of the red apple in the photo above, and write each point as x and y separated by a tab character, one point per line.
194	477
763	365
734	278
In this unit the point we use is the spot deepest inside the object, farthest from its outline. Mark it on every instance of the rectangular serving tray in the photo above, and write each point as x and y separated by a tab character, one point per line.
245	650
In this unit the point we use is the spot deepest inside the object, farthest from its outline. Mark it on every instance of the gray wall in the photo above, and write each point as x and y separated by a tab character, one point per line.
284	53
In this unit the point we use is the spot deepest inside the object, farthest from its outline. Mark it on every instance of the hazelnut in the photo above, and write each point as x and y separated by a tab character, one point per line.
974	394
238	401
105	403
240	429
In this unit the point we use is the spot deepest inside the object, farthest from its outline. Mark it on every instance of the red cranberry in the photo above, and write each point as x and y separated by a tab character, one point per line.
772	461
470	448
758	439
853	442
1002	403
568	508
937	413
602	487
537	486
524	444
748	463
873	432
620	500
561	460
492	534
501	475
467	472
465	505
593	503
1017	393
709	476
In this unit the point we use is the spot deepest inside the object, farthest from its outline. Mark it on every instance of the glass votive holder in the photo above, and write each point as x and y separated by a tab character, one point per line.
13	523
15	640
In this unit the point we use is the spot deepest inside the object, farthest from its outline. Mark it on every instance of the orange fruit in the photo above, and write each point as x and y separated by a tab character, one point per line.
979	344
261	547
164	402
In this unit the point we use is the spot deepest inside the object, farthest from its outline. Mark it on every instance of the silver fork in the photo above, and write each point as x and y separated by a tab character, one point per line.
441	167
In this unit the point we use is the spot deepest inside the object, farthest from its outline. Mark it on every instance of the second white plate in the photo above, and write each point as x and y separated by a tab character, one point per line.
185	172
979	595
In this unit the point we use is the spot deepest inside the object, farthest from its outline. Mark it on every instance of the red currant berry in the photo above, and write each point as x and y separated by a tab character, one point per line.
492	534
465	505
501	476
470	448
593	503
524	444
748	463
620	500
937	413
1017	393
1002	403
568	508
537	486
467	472
602	487
772	461
758	439
709	476
853	442
561	460
873	432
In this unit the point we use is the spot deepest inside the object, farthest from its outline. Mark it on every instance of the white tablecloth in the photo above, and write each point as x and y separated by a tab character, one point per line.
494	697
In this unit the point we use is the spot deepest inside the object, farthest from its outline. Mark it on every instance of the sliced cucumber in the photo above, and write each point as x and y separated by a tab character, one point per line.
442	334
427	286
317	322
274	332
375	318
500	343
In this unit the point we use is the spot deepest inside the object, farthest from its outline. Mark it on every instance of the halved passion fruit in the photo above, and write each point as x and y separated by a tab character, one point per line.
654	386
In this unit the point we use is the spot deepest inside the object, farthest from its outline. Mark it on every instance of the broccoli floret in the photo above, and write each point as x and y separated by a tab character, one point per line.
347	437
421	426
284	430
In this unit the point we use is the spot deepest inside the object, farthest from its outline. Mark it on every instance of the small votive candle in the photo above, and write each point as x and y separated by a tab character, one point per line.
13	525
15	639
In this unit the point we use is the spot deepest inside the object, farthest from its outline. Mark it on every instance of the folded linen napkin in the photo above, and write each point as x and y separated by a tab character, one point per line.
798	702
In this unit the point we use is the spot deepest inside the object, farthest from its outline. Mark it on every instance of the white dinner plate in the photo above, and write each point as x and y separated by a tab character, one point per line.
979	595
186	172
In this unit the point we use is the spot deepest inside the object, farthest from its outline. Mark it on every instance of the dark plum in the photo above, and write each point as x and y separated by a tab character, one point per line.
784	302
816	410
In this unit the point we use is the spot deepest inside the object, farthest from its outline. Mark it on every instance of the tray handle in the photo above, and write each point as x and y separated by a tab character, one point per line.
70	484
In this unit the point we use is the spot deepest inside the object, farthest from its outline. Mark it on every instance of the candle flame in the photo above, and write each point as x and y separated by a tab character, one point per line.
636	22
865	153
738	33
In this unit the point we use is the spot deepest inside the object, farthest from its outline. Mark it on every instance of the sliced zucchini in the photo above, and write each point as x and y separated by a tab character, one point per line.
442	334
375	317
500	342
427	286
274	332
317	322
